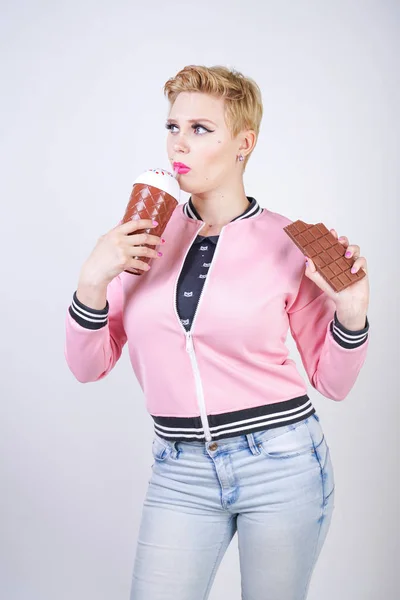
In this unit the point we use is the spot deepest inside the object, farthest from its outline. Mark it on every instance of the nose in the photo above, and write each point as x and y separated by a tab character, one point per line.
180	149
180	145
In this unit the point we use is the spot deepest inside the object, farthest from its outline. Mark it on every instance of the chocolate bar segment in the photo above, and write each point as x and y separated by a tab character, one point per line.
327	253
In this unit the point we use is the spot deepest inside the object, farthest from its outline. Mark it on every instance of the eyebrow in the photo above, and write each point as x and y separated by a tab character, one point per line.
192	121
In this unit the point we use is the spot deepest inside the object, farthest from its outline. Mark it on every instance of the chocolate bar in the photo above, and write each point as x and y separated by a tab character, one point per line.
327	253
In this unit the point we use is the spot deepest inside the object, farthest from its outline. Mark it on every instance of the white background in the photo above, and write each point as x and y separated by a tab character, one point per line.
82	115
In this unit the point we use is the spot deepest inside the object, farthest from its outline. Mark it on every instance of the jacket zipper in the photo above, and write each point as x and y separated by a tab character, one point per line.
190	346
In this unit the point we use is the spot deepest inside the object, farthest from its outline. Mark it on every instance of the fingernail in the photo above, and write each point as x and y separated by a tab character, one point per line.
306	263
353	270
348	254
159	253
162	241
155	223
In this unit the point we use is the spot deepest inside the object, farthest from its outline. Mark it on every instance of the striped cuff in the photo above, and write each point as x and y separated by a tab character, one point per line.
346	338
90	318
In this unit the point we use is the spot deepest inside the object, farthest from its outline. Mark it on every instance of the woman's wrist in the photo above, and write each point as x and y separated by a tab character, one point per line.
92	295
351	318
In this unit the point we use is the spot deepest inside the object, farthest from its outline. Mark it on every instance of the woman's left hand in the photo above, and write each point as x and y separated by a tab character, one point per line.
354	299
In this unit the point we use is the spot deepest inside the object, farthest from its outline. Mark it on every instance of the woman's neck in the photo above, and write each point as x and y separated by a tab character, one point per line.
209	230
220	207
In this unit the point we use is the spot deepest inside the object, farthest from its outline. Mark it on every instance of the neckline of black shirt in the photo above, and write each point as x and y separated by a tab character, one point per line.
214	238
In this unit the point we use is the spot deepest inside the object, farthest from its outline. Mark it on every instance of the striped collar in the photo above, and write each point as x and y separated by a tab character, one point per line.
252	210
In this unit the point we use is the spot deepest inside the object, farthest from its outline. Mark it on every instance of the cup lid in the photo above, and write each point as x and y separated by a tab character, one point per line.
161	179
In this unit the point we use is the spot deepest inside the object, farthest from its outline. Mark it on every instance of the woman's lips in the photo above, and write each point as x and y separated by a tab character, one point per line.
181	168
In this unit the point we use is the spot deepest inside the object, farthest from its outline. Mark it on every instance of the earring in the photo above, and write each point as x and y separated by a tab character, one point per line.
241	157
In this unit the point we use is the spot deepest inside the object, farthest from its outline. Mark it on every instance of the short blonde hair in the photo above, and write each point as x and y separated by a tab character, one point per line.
243	102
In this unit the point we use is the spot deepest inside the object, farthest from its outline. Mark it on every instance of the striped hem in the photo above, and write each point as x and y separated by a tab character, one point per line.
89	318
347	338
239	422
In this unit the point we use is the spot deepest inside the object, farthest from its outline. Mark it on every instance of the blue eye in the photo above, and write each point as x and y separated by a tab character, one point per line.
194	127
201	127
169	126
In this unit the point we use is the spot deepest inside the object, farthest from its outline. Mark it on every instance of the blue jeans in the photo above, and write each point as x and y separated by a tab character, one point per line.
275	488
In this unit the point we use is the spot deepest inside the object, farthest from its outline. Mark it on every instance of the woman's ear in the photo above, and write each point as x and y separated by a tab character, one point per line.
248	141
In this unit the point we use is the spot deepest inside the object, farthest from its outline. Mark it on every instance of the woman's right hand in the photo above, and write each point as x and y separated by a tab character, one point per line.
115	250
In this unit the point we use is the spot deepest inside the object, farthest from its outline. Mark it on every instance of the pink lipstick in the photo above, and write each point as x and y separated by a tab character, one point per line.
181	168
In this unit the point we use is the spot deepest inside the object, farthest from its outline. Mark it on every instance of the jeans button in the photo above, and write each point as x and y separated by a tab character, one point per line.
213	446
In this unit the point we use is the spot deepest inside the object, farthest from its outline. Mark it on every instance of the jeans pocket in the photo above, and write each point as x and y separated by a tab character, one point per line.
323	456
161	450
294	441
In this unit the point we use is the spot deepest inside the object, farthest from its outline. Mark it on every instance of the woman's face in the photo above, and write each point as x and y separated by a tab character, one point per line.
199	138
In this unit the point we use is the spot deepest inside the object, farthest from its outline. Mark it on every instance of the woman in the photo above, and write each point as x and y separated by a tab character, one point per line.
238	446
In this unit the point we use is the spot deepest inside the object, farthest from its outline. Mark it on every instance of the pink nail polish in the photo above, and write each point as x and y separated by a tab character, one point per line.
352	270
159	253
155	223
348	254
